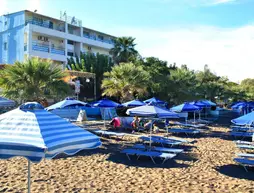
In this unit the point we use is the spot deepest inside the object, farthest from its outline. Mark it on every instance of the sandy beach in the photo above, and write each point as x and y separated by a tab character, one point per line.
206	166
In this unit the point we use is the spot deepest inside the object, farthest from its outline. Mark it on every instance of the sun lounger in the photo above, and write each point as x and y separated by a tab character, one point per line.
162	142
151	154
245	146
109	133
244	162
160	149
239	142
245	155
242	129
185	131
241	134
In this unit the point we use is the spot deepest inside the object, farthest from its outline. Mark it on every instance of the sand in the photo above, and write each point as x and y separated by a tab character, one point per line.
206	166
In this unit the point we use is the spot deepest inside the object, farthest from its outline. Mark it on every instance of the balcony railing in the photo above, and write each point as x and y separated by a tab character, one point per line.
46	48
46	24
40	47
93	37
58	50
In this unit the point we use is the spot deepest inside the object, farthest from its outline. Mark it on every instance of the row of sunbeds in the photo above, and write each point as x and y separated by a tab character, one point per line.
245	159
162	152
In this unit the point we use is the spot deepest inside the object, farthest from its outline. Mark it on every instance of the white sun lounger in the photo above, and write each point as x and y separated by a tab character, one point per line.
239	142
245	146
109	133
160	149
244	162
162	142
245	155
151	154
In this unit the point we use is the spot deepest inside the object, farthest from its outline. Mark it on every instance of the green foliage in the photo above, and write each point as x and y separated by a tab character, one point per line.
126	81
90	62
247	85
124	50
33	80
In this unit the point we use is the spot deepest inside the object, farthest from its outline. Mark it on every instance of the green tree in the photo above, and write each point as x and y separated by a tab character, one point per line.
33	80
124	50
181	85
89	62
126	81
247	85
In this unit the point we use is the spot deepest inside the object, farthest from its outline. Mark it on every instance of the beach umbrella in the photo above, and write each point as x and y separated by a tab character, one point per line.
34	133
152	112
186	107
201	104
105	103
4	102
155	101
67	102
134	103
247	119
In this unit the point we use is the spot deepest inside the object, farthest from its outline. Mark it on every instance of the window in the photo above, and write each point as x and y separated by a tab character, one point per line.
5	23
5	45
86	34
70	54
100	37
70	42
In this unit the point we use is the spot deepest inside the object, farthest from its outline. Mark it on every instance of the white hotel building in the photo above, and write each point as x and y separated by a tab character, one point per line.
28	34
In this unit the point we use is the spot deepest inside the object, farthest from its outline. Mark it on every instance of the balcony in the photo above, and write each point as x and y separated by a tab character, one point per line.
46	24
93	37
46	48
40	47
58	50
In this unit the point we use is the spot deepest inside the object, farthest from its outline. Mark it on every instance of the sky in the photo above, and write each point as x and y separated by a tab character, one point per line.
219	33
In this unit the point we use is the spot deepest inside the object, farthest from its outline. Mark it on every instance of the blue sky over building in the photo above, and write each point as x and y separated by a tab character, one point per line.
219	33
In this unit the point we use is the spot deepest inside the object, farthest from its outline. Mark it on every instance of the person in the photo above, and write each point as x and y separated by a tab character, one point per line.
135	123
148	125
115	122
156	129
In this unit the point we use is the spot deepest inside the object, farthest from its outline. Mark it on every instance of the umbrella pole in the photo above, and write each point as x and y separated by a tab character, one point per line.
194	117
28	177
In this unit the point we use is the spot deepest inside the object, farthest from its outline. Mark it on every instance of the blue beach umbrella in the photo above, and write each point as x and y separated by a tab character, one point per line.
155	101
134	103
247	119
186	107
34	133
67	102
152	112
4	102
104	103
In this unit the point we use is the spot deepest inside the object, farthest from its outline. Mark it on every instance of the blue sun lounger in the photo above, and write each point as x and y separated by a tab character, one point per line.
162	142
159	149
185	131
245	162
241	134
242	129
109	133
151	154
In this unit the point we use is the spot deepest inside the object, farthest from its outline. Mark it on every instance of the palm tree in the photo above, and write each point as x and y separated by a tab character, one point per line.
33	80
124	49
125	81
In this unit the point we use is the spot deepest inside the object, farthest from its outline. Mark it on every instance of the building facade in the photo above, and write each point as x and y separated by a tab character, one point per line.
28	34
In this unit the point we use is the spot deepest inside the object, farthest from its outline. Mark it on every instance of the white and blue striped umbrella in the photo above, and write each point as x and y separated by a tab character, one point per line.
32	132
